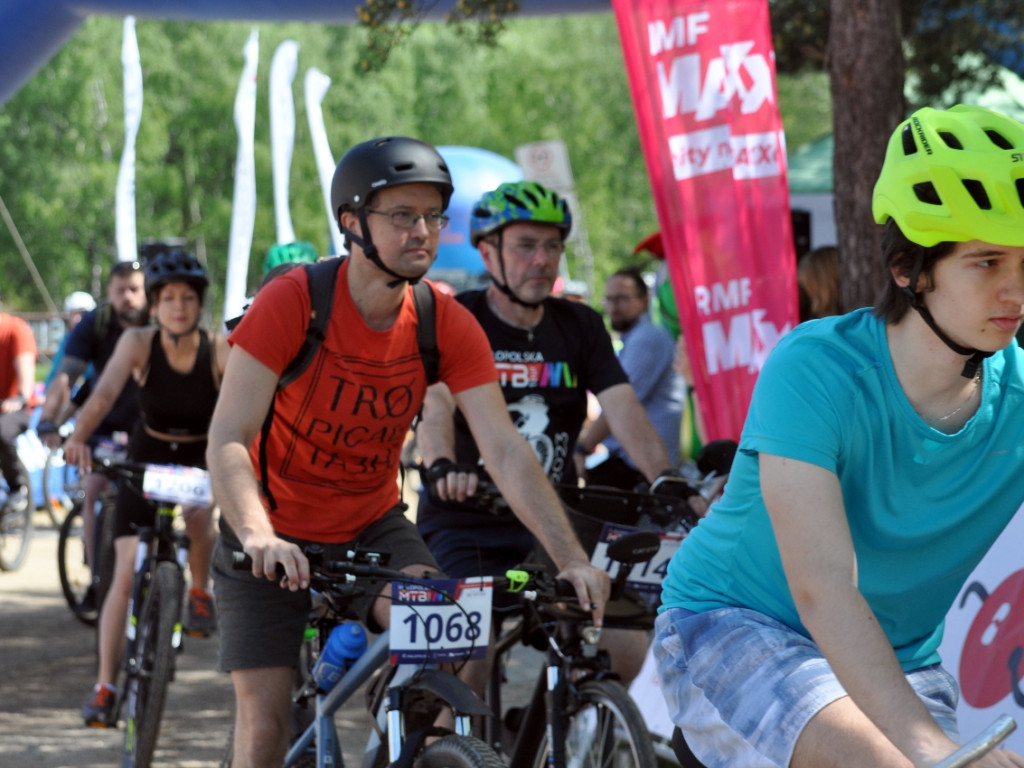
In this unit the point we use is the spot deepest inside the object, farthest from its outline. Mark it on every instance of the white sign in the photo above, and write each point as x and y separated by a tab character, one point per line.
177	485
440	620
548	163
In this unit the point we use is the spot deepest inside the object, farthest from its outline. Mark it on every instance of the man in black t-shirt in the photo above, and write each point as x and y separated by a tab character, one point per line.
549	352
92	341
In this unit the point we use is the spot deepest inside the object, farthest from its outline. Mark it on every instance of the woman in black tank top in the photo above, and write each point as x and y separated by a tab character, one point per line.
178	368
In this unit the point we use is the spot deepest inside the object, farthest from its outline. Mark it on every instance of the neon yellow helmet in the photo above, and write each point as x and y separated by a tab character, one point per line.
954	175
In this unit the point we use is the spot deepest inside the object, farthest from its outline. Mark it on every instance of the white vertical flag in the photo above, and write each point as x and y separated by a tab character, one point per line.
243	211
316	86
124	206
282	132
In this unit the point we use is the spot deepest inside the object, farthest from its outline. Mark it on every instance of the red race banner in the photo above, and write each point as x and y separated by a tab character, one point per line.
702	77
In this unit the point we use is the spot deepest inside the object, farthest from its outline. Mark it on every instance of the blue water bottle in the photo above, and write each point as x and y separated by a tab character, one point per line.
344	645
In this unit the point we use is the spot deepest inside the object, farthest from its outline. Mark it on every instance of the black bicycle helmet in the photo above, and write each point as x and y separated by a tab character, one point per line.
389	161
167	262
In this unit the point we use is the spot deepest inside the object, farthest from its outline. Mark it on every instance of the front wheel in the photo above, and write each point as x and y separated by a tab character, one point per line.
603	729
159	620
455	751
15	533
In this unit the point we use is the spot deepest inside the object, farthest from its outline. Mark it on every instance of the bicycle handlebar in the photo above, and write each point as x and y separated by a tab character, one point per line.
980	745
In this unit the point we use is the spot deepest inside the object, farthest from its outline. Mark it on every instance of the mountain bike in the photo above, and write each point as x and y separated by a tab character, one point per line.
15	534
77	577
579	714
85	585
406	696
153	627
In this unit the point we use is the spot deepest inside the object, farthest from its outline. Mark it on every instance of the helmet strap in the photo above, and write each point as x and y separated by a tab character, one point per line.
177	337
503	285
917	302
370	251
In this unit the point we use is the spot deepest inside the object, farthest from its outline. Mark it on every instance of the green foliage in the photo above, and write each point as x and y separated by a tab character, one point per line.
545	78
936	35
389	22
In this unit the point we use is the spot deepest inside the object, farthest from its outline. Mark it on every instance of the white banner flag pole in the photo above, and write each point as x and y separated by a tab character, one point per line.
282	132
124	205
243	211
316	86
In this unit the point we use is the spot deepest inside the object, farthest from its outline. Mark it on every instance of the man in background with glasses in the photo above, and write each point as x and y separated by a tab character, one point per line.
646	357
92	341
335	440
549	352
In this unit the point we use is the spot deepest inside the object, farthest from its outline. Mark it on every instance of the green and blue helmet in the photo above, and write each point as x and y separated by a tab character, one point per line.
518	201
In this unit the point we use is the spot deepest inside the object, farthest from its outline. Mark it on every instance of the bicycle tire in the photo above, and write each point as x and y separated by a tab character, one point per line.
147	687
75	573
55	500
15	534
604	729
453	751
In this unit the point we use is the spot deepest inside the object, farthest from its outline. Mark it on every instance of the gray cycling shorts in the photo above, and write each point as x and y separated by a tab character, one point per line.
743	686
261	625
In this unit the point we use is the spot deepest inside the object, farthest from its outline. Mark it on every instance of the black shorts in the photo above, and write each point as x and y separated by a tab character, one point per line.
261	625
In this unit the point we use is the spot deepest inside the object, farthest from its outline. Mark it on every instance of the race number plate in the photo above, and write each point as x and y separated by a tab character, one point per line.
646	577
428	627
176	484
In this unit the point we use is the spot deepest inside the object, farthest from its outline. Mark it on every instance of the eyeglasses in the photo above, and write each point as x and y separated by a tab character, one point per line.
123	268
402	219
524	249
619	299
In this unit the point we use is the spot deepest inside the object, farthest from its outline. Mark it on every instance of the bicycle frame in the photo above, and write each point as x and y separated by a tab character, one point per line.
552	689
321	731
163	536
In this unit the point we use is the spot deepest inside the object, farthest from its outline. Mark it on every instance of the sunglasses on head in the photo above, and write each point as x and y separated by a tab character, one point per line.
125	268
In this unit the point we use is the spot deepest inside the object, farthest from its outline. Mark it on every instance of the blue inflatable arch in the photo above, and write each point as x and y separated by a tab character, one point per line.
32	32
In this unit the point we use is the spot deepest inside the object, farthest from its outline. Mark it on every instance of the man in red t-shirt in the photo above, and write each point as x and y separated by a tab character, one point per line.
17	384
332	454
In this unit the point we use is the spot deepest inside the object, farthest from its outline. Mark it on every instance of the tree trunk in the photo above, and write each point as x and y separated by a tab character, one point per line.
866	70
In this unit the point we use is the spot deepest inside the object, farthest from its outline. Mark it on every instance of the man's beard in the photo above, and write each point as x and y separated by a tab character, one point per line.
133	316
621	326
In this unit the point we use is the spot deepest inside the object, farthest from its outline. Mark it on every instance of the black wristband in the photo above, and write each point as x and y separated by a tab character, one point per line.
439	469
45	427
578	448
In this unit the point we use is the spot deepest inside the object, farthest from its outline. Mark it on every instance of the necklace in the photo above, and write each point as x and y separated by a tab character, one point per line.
521	325
968	399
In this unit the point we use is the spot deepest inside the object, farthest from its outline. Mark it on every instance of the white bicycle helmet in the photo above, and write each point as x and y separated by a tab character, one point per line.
79	301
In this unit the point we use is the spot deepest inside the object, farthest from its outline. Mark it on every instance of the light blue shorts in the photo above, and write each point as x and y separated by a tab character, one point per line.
743	686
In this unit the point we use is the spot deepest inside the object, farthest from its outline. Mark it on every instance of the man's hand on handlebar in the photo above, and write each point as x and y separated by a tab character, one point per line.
450	481
268	552
593	587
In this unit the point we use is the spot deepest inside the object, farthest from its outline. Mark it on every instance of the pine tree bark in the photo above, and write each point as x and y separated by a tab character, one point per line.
866	72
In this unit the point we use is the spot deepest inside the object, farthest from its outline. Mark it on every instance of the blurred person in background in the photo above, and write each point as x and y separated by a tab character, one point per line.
17	388
647	358
817	275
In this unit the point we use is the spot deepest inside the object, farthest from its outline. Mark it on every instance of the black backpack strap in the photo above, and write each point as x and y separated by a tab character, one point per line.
426	330
321	278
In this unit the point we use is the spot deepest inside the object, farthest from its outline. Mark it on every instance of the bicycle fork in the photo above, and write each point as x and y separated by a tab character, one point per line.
143	564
